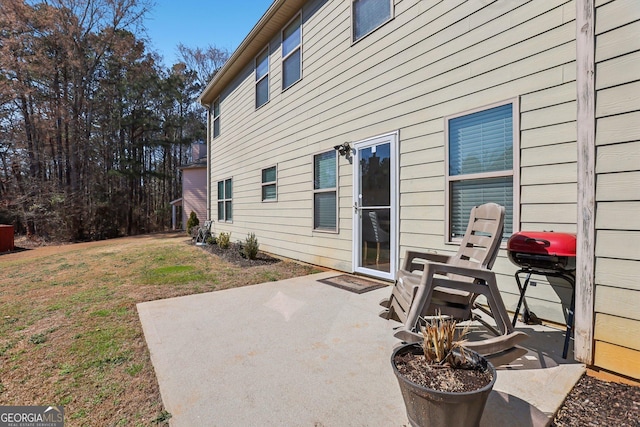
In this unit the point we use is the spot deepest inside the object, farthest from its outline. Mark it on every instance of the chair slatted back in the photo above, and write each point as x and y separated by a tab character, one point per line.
481	242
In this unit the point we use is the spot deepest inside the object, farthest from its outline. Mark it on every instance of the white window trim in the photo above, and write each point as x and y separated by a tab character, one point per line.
353	32
325	190
515	172
266	76
213	121
224	200
284	58
264	184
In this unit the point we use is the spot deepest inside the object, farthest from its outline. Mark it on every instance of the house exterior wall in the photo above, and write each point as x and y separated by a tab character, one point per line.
194	194
430	61
617	268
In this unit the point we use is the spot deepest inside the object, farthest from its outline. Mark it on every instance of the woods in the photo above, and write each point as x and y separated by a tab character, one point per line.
93	127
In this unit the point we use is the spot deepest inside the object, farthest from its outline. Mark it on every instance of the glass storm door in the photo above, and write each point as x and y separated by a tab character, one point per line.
374	202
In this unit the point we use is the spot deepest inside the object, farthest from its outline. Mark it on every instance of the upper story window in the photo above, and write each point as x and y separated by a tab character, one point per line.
482	149
216	117
262	78
292	52
325	191
269	187
368	15
225	200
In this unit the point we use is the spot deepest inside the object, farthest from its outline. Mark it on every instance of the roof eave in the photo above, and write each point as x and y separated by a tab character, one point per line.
277	15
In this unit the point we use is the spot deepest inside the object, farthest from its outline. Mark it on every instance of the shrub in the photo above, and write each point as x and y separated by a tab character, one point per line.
192	222
210	240
223	240
250	246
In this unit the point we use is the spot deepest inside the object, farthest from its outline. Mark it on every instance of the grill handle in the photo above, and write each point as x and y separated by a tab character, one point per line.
544	242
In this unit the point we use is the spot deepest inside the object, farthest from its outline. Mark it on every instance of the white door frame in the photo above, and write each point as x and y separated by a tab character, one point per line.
393	138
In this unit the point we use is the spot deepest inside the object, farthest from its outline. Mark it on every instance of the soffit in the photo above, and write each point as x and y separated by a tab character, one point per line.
271	23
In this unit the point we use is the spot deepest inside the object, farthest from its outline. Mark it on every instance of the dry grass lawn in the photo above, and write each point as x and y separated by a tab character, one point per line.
69	329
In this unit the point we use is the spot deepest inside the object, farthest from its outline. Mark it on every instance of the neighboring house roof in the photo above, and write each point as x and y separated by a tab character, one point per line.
271	23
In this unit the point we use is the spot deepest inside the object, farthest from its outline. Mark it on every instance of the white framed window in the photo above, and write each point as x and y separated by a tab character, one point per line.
262	78
225	200
482	164
269	184
325	191
368	15
215	111
292	52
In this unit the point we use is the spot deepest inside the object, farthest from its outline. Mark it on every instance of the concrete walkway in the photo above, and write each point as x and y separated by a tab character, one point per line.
302	353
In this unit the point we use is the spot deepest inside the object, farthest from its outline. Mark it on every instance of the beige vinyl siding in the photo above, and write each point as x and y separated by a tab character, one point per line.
430	61
617	293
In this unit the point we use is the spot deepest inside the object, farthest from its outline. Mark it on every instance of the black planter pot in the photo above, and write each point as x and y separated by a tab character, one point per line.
431	408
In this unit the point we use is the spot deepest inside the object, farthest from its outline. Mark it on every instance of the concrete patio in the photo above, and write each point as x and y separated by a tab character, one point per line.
302	353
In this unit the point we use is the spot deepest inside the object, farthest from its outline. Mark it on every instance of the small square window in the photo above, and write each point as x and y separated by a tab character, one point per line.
269	186
369	15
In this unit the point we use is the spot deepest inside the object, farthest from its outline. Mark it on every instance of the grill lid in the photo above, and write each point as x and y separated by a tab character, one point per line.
543	243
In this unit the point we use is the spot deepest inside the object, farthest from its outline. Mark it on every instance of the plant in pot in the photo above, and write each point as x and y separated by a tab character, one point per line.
442	383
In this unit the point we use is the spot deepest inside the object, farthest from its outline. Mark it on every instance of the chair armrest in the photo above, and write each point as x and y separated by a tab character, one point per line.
415	260
476	273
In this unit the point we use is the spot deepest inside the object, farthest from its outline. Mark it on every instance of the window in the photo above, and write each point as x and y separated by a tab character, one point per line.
225	208
269	188
216	117
291	53
262	78
480	169
325	191
369	15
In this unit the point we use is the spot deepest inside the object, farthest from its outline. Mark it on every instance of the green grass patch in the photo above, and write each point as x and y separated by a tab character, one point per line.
38	338
100	313
66	369
174	275
92	295
103	347
270	276
134	369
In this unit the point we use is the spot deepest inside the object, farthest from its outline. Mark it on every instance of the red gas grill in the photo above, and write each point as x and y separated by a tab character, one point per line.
544	253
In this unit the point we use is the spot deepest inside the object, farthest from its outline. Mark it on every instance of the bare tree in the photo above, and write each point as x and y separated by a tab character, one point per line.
92	128
204	62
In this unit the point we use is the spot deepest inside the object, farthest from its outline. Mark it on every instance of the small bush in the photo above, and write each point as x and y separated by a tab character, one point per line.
192	222
210	240
223	240
440	339
250	246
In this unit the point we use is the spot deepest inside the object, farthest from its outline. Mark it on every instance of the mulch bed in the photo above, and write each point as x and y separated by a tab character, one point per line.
595	402
233	254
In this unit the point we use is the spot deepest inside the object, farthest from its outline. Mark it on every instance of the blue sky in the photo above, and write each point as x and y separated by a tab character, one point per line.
198	23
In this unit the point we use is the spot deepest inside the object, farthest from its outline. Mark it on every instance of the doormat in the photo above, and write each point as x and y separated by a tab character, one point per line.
354	284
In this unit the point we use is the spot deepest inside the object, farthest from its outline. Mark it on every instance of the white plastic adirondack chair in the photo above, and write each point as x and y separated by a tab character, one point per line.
431	283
